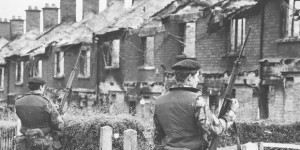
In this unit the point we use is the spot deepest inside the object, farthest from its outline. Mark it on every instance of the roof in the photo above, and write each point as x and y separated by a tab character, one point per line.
86	28
21	45
136	16
3	42
225	10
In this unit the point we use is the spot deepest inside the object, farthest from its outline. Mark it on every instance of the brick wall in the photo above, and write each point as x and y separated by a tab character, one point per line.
16	28
33	19
14	88
50	16
272	30
68	10
276	102
70	57
248	103
292	101
5	29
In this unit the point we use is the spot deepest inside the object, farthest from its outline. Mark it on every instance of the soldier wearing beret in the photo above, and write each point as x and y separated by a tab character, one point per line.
39	117
182	117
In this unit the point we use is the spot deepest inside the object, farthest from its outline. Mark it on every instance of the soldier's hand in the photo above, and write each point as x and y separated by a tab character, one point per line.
200	102
234	105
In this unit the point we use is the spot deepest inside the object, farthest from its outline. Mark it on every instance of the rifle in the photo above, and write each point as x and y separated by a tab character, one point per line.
67	92
226	100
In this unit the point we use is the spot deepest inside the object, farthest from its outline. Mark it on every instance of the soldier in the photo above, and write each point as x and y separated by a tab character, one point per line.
39	118
182	117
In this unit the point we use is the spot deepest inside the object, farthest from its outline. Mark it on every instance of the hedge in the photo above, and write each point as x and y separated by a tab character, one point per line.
83	132
83	127
263	131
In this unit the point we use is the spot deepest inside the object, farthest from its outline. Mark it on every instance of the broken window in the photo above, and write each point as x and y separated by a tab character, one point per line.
84	63
36	69
19	71
1	78
147	44
111	54
59	64
237	33
293	17
188	39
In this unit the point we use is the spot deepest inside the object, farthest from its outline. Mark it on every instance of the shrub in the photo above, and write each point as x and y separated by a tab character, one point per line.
82	130
263	131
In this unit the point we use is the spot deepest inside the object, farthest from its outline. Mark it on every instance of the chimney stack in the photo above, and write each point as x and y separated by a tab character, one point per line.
128	3
16	27
102	5
33	18
68	10
91	6
4	29
50	15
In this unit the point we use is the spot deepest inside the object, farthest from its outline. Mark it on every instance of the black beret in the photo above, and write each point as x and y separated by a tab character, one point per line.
186	64
37	80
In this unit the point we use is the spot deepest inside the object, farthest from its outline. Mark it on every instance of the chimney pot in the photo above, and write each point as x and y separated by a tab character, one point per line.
19	17
5	19
29	7
13	17
35	7
47	5
53	5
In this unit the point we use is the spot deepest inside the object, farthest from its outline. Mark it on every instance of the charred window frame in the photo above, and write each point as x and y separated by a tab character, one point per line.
36	69
293	17
182	29
111	51
59	64
187	33
237	33
147	46
19	72
84	63
1	78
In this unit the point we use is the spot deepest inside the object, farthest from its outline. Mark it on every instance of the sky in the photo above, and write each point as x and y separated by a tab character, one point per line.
9	8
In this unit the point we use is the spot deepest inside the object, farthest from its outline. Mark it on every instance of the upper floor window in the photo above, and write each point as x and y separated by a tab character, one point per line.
84	62
237	33
36	69
293	17
188	39
59	64
147	44
111	54
1	78
19	72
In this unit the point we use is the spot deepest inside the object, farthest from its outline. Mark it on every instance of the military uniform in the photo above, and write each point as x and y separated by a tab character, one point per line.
39	118
182	118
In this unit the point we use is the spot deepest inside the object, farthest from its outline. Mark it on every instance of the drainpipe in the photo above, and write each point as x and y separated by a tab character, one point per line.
261	55
8	78
97	67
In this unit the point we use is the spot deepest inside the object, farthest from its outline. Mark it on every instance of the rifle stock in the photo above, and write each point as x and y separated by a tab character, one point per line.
66	94
227	95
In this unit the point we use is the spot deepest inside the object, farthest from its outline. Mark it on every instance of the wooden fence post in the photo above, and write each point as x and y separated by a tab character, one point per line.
250	146
260	146
106	138
130	140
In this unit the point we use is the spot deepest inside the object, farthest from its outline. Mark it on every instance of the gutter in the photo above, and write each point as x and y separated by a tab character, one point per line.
97	67
261	55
